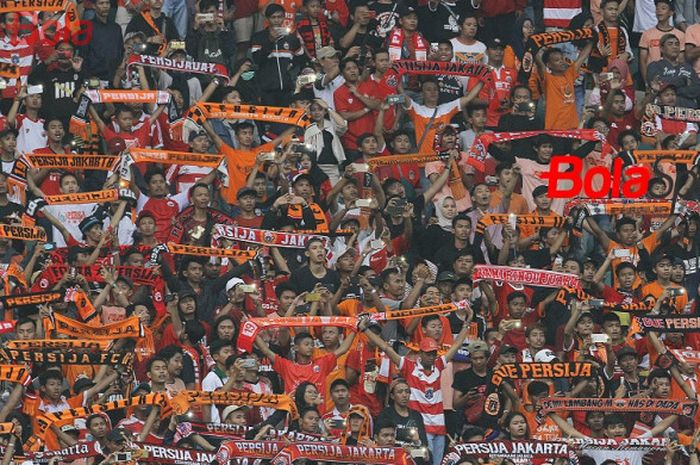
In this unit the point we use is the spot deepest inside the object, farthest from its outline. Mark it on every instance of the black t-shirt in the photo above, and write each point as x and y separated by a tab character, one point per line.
387	16
327	157
450	88
538	258
466	380
10	208
443	23
413	420
303	280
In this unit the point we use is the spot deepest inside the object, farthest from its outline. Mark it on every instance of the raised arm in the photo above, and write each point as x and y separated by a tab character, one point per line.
459	340
379	342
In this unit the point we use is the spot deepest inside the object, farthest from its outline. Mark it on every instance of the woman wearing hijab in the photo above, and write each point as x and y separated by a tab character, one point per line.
620	73
513	54
440	228
324	135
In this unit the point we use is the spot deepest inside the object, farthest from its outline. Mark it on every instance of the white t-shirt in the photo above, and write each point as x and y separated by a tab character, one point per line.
70	216
211	383
31	134
622	457
326	92
473	52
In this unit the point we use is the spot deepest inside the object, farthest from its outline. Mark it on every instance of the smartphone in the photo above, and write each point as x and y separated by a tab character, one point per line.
307	79
267	156
525	107
622	253
606	76
394	99
599	338
3	84
596	303
205	16
249	363
363	202
122	457
676	291
72	272
92	83
515	324
397	207
337	423
419	452
301	309
169	298
377	244
49	246
248	288
37	89
177	45
491	180
312	297
283	31
361	167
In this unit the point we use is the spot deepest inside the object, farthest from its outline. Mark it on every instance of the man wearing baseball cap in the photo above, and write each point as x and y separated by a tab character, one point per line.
423	376
247	215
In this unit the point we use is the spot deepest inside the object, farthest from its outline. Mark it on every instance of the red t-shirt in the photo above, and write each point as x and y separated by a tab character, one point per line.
51	185
347	101
293	373
357	359
140	137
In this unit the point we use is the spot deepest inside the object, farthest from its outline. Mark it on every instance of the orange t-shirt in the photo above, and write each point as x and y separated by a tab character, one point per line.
650	242
561	100
422	115
33	407
651	41
652	291
337	373
240	164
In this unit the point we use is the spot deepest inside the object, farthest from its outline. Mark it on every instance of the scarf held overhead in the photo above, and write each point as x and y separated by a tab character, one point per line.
169	157
531	277
480	146
63	356
128	328
194	67
263	237
182	401
128	96
541	371
537	41
292	116
76	162
252	326
670	324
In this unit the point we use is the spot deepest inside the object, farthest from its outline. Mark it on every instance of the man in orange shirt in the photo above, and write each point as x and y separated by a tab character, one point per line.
677	296
51	399
242	161
560	111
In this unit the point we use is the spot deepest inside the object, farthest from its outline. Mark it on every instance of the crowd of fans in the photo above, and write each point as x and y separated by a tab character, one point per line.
172	265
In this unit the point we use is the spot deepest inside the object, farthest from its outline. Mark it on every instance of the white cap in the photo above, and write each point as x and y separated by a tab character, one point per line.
233	282
545	356
230	409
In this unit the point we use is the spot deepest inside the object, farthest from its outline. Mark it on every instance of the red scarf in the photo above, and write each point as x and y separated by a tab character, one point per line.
419	46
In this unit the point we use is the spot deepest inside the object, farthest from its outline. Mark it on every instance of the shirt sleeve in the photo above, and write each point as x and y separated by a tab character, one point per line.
644	41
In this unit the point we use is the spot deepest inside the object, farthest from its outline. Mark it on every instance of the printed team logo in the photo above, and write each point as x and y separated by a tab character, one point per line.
492	405
429	394
14	59
393	80
170	203
268	237
317	369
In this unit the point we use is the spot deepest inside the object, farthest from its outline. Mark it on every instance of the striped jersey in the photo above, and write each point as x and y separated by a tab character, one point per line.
19	53
558	13
426	396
